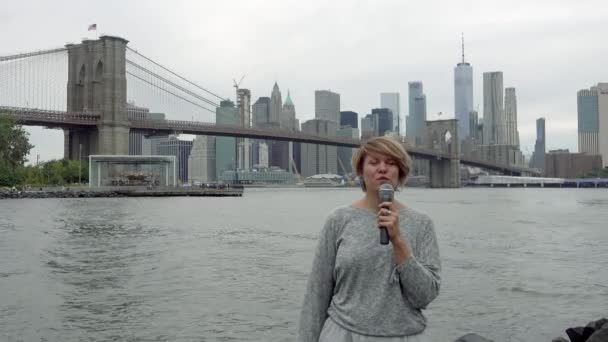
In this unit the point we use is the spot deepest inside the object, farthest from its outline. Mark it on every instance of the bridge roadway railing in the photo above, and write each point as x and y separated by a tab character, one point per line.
498	167
51	116
59	118
191	127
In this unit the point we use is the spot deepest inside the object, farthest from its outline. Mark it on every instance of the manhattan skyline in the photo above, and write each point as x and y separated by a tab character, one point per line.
546	50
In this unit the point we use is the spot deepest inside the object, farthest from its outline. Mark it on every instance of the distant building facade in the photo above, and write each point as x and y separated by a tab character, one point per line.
511	117
563	164
416	120
261	111
349	118
327	105
500	154
385	120
494	123
463	96
318	159
276	105
201	162
369	126
181	150
225	147
136	139
538	157
392	102
592	107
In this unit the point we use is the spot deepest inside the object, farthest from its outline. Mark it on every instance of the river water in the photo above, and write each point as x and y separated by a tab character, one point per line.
518	264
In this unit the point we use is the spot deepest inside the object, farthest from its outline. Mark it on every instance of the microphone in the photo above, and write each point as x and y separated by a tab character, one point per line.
385	194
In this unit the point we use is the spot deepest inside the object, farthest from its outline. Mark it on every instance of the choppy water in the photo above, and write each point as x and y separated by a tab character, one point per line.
518	264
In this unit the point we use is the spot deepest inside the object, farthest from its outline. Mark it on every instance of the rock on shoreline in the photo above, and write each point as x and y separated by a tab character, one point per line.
594	331
82	193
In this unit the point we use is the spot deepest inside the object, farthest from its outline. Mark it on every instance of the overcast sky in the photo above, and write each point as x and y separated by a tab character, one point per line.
547	50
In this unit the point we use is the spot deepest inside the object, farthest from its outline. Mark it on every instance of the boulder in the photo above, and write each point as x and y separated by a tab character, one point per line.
601	331
595	331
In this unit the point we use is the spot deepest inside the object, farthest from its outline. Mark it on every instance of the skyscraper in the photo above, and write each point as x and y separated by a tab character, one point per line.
593	121
511	117
276	104
588	121
261	119
261	111
244	107
225	147
369	126
349	118
392	101
385	120
538	157
473	125
463	95
494	123
327	105
319	159
416	120
201	162
288	114
181	150
243	144
289	122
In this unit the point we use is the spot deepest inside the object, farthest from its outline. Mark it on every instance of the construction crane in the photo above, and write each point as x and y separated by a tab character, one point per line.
236	85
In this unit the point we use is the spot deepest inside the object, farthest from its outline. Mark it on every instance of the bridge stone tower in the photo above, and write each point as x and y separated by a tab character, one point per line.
442	135
97	83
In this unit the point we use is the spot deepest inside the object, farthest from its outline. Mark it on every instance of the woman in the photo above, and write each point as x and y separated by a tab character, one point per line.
359	289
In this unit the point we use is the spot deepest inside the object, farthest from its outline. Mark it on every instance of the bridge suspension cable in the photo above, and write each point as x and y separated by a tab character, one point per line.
30	54
153	74
174	74
153	86
35	80
169	92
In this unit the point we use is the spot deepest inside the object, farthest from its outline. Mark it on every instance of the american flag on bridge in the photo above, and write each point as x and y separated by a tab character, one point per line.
92	27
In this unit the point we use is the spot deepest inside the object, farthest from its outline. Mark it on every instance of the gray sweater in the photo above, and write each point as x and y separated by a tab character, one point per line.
355	281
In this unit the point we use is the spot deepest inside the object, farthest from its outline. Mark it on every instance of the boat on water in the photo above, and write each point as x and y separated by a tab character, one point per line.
324	181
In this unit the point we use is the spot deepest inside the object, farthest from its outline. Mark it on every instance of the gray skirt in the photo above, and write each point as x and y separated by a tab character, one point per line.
332	332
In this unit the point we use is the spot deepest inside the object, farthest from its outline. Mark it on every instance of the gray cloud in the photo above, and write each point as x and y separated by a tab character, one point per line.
547	49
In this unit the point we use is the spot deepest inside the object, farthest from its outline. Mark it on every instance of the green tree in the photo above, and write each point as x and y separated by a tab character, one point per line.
14	142
14	148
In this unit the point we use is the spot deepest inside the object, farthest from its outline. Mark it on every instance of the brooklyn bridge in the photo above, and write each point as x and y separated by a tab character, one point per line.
102	74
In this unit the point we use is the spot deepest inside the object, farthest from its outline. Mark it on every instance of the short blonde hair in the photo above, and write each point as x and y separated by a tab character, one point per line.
385	146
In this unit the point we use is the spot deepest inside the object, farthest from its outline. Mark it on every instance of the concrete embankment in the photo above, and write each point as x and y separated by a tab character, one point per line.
96	193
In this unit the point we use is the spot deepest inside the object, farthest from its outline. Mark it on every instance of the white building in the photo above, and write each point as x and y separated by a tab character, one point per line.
263	155
201	162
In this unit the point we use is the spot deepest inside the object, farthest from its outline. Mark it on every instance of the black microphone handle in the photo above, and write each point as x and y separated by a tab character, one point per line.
383	236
